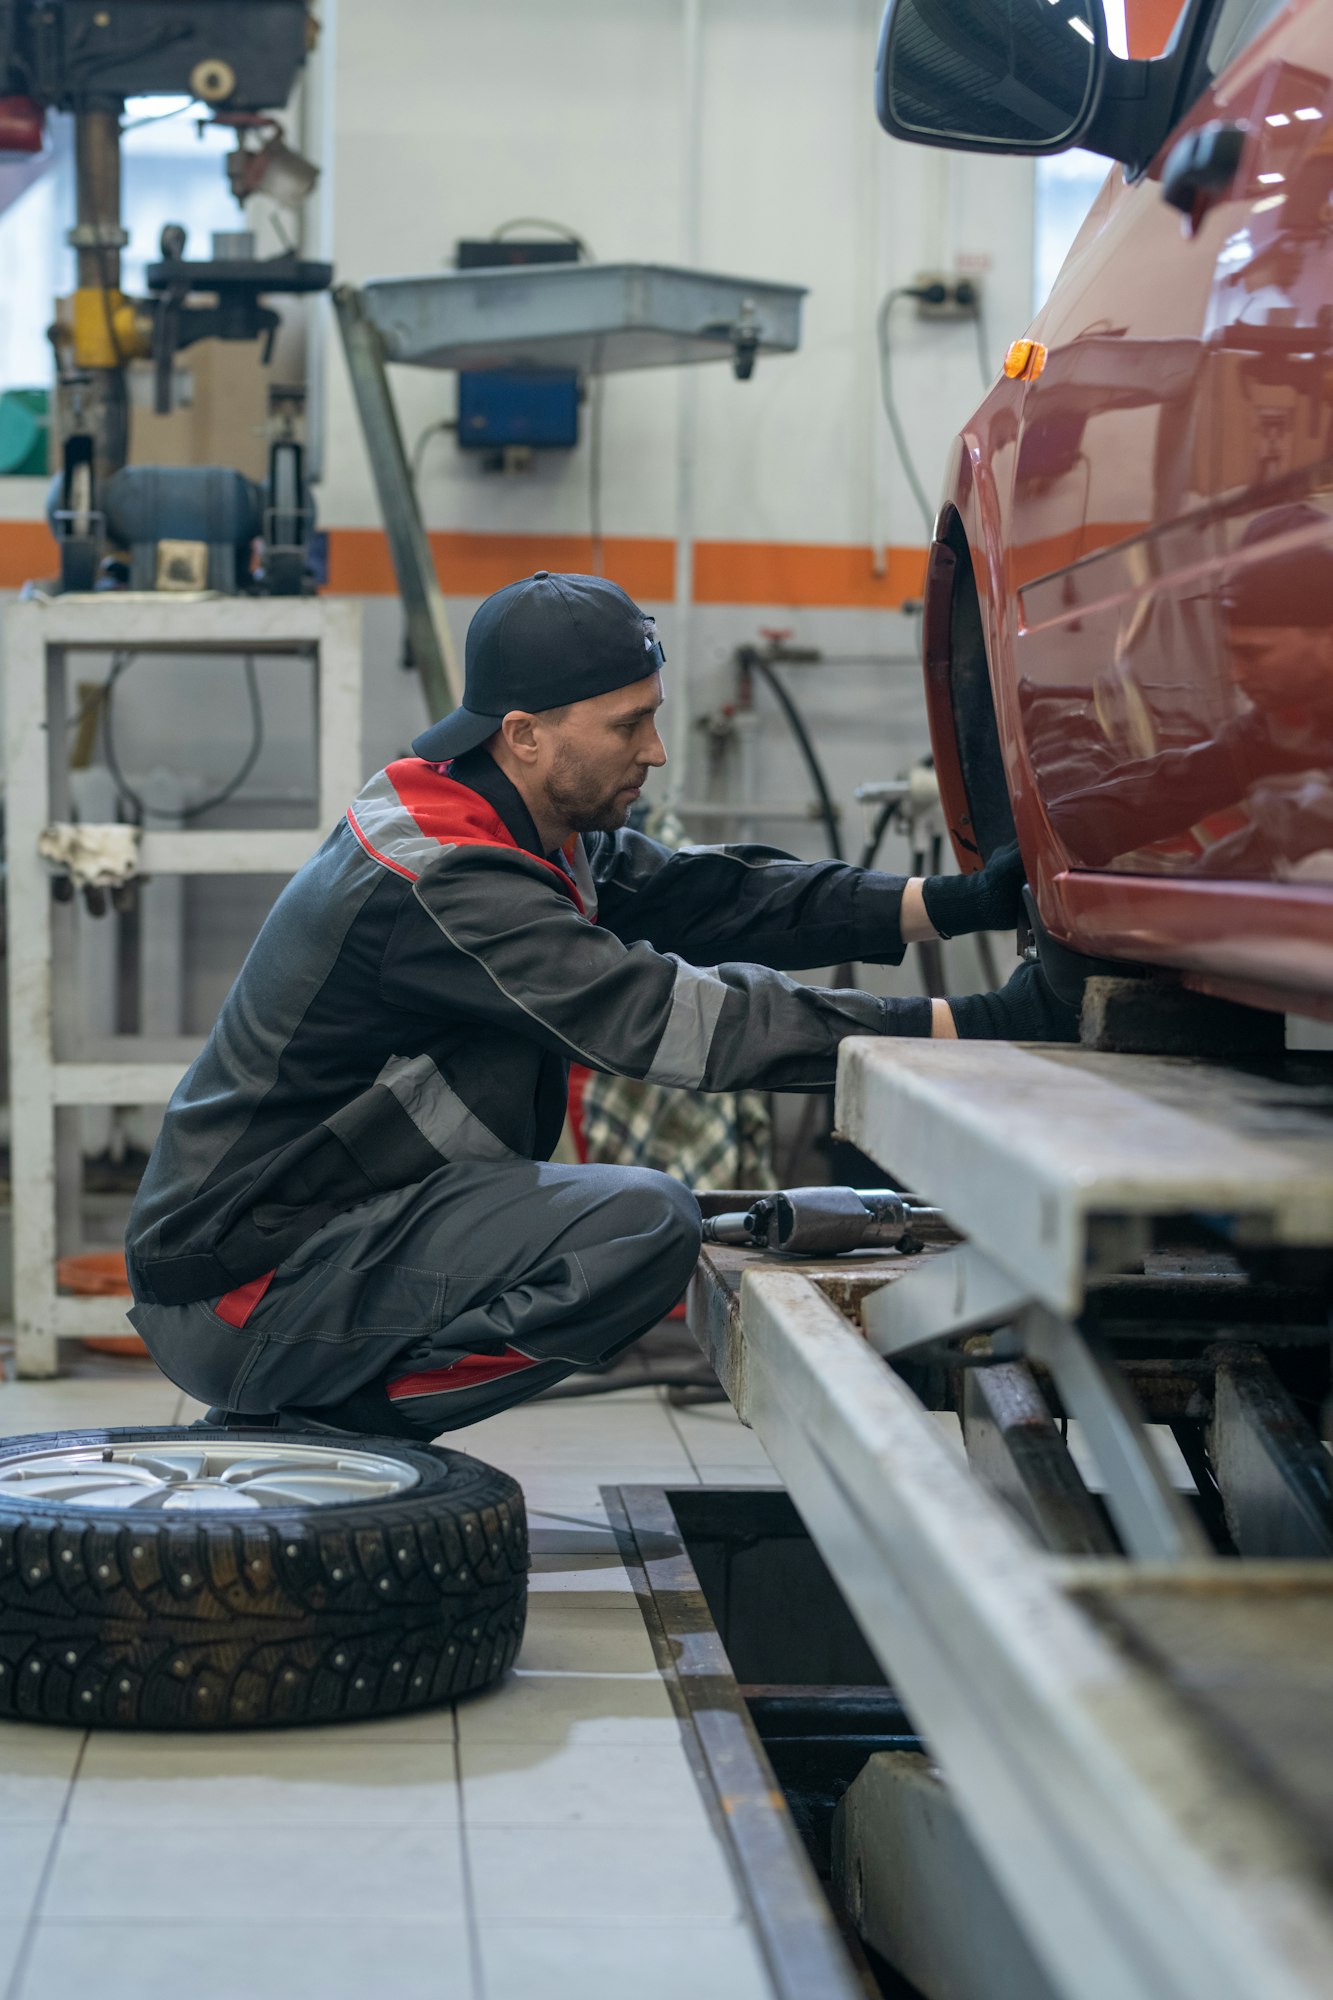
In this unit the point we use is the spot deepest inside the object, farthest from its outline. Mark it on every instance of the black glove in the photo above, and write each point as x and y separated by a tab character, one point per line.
1026	1010
990	901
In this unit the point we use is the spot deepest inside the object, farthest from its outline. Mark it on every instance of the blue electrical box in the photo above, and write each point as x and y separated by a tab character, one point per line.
500	409
504	408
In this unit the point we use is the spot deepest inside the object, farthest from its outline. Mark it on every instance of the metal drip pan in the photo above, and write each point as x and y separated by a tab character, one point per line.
597	318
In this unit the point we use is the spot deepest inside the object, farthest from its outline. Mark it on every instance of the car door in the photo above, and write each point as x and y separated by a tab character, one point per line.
1151	416
1269	339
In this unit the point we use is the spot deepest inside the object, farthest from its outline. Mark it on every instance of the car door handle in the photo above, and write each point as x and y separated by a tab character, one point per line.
1202	166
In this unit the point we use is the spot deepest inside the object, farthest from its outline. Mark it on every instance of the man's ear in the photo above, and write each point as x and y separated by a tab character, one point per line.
520	736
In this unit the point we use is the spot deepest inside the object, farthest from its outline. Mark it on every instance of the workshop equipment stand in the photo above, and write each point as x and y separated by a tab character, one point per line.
38	640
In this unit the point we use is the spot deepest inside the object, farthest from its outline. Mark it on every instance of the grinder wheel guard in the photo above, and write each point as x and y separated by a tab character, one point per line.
166	1579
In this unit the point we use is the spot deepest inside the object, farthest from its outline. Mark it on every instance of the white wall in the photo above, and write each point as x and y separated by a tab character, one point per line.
436	119
451	116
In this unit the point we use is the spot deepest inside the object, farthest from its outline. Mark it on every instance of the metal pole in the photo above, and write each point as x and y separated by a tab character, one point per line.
687	402
95	400
98	237
428	635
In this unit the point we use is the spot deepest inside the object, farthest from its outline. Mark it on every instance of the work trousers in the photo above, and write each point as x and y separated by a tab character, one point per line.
431	1307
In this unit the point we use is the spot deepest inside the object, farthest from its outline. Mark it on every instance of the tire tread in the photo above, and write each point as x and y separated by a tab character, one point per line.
262	1620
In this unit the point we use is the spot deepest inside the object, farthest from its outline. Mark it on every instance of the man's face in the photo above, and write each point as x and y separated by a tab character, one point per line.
1283	667
594	758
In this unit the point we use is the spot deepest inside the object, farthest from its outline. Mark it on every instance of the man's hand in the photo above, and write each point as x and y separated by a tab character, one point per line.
990	901
1026	1010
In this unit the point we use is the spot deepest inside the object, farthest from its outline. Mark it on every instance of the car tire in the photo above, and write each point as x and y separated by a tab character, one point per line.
224	1614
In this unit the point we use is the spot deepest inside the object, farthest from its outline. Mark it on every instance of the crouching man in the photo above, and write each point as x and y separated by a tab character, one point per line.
350	1219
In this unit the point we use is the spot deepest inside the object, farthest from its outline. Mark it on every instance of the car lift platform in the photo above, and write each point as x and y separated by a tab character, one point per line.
1130	1692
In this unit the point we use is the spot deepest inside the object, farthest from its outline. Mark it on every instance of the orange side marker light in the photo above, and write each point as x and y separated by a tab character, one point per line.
1025	358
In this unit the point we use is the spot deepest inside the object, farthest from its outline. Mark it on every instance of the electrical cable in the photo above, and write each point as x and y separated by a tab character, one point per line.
122	660
805	746
161	117
560	229
882	333
877	833
424	438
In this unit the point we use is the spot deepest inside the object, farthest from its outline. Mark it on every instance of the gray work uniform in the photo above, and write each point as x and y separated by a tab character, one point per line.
350	1208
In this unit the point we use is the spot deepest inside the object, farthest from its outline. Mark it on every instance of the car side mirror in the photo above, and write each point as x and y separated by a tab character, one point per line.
1008	76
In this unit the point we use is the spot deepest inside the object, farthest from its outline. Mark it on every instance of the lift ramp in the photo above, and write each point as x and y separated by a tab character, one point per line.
1126	1685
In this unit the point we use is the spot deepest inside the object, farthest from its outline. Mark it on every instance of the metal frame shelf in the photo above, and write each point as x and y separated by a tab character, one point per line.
36	641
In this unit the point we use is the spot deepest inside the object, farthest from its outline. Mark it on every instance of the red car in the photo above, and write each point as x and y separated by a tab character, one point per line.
1129	610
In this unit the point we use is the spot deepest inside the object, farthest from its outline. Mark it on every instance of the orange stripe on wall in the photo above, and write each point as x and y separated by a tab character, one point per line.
1148	25
802	573
27	550
472	565
799	574
794	573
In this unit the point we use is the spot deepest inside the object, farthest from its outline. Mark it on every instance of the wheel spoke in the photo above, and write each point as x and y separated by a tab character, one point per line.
304	1490
72	1483
173	1467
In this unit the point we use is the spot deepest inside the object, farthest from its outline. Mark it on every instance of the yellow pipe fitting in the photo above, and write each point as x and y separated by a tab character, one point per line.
109	329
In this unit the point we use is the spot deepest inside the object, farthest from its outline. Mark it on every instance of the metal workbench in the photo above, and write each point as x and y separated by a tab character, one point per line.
1136	1729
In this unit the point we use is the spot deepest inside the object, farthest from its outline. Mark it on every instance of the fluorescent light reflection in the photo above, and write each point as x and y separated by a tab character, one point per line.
1117	34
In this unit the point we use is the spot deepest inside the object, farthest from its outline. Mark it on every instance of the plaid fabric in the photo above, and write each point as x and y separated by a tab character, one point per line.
707	1142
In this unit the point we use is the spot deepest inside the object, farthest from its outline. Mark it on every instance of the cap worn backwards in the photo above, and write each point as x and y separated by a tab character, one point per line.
540	643
1289	585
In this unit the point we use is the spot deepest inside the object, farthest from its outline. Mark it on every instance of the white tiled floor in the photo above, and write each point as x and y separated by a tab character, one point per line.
545	1841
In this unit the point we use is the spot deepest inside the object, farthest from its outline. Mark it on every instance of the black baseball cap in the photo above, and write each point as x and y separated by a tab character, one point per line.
1292	586
540	643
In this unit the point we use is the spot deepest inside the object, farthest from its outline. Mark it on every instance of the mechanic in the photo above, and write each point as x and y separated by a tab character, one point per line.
1251	796
350	1219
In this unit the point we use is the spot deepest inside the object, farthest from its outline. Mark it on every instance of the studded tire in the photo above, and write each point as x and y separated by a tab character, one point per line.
273	1617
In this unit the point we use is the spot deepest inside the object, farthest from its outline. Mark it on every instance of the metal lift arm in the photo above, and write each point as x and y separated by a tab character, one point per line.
429	640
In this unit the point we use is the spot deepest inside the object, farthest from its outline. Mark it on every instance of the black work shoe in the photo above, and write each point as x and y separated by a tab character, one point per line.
218	1419
367	1412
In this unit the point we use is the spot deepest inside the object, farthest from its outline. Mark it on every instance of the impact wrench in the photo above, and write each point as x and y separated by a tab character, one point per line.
825	1221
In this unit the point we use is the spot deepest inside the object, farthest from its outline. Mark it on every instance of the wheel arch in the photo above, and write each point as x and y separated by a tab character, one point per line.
960	701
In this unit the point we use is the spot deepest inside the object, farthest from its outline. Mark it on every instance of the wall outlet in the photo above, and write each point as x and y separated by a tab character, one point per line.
947	295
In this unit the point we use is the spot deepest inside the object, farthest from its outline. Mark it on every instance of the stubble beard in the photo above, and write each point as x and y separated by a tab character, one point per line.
576	805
